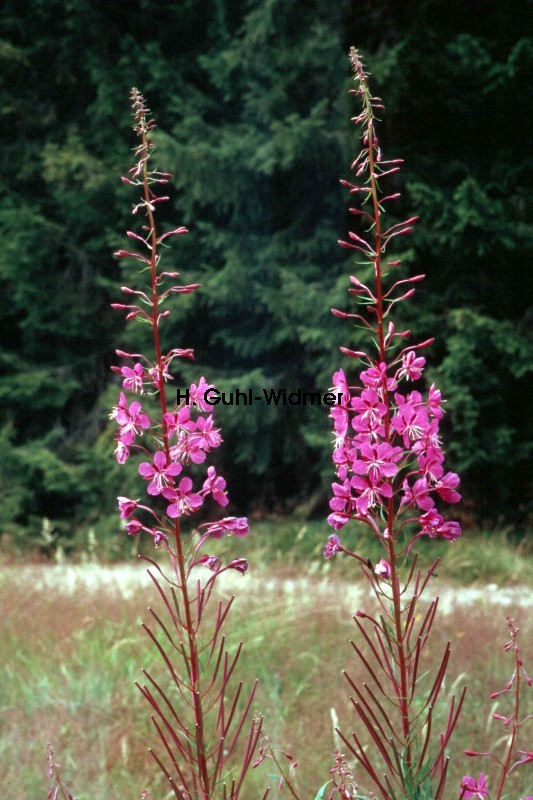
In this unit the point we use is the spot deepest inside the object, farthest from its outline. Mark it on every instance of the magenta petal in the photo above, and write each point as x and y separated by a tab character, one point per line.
337	503
388	470
127	437
122	417
451	480
146	470
160	460
241	527
425	503
338	521
360	467
449	495
195	500
185	485
173	469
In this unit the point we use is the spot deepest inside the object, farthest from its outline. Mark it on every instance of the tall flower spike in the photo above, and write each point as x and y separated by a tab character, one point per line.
389	454
198	737
389	463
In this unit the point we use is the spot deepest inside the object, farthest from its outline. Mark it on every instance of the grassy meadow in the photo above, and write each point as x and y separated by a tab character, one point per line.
72	647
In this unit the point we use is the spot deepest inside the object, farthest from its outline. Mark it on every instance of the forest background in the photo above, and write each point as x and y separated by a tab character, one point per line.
251	102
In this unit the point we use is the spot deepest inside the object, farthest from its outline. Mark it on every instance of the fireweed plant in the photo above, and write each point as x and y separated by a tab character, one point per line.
391	477
200	713
389	464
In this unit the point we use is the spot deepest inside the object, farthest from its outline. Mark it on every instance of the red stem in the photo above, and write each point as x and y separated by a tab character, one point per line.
510	749
180	560
403	697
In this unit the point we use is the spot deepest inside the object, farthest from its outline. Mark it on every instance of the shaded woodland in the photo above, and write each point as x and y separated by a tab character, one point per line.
254	123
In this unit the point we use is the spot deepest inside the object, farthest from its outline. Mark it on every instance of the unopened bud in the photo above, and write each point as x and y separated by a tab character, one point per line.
352	353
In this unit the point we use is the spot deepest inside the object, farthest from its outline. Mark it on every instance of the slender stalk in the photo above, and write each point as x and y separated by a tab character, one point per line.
199	712
507	764
180	560
390	514
388	471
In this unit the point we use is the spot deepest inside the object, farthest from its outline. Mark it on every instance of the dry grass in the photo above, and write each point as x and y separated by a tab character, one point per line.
72	648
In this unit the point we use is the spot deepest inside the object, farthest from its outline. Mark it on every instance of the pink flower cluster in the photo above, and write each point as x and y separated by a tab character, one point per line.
190	440
387	448
178	436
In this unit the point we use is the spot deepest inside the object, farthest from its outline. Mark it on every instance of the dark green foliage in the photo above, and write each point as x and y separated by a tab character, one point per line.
251	102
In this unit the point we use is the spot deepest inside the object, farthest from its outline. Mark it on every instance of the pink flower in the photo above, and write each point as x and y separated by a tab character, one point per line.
211	562
434	525
376	377
414	398
368	428
159	537
340	459
472	789
206	436
133	377
377	461
369	407
430	463
340	419
383	569
450	530
446	488
197	394
410	422
184	500
338	520
131	419
236	526
179	422
429	437
240	564
195	439
412	366
126	506
160	473
133	526
122	453
188	447
418	494
340	385
369	494
215	485
343	496
154	375
332	546
434	402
